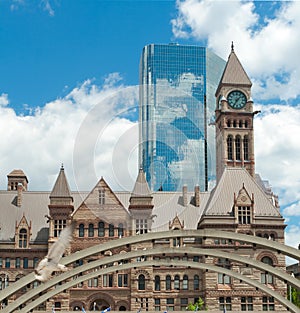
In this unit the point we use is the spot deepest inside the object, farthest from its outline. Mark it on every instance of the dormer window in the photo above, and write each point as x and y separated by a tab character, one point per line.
102	196
23	238
244	214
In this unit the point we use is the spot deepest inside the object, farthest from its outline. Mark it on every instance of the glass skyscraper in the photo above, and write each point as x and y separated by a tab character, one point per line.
176	114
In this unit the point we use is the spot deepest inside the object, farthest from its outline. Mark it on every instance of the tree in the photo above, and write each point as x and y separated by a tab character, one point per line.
197	306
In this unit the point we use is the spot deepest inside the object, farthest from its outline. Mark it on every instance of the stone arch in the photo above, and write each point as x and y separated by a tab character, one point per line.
267	254
122	304
100	301
77	306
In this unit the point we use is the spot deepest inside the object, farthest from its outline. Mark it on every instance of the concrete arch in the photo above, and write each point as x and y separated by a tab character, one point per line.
292	252
69	284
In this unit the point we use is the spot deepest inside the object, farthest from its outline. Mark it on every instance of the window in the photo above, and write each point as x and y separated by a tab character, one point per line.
58	226
81	230
141	282
185	282
246	304
246	148
267	278
35	261
57	305
111	230
238	148
196	282
222	278
168	282
91	230
123	280
101	196
23	238
157	304
268	304
183	304
229	148
170	304
176	282
107	280
244	215
157	283
25	262
141	226
120	230
1	262
101	231
225	303
18	263
7	262
93	282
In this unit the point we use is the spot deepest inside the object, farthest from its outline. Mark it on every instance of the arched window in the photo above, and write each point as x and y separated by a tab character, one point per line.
196	282
185	282
222	278
81	230
267	278
176	282
229	148
234	123
91	230
141	282
238	148
157	283
120	230
168	282
23	238
111	230
228	123
101	231
240	124
246	148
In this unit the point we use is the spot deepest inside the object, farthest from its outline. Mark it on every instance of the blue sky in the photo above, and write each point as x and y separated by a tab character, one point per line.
47	52
69	85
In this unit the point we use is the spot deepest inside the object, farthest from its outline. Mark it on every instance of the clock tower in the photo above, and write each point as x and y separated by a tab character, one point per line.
234	119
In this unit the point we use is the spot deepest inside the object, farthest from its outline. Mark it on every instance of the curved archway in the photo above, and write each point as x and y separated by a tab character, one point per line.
147	237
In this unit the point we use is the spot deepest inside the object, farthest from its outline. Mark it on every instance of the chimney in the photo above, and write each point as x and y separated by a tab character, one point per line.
197	195
184	195
19	194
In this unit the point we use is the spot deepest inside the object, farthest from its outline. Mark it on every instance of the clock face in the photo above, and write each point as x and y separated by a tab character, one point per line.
236	99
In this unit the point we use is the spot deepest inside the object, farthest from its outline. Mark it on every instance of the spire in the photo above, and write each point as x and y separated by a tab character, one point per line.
61	187
234	73
141	187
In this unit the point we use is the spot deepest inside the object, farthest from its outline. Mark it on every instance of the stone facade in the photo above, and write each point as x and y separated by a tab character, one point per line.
239	203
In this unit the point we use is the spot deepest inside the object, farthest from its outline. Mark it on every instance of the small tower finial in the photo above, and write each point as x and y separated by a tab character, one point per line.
232	47
62	166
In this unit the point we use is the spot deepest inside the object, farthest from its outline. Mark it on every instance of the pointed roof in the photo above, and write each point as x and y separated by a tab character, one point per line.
231	182
234	73
61	186
141	187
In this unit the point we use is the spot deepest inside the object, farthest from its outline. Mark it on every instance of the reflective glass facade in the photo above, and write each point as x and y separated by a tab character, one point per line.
177	104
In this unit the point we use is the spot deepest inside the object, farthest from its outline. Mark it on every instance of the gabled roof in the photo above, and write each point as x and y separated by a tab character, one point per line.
61	187
141	187
231	182
234	73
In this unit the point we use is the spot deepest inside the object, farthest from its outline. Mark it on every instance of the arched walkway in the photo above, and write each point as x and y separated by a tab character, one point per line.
152	236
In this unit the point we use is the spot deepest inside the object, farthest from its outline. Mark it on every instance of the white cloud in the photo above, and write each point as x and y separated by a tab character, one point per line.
292	210
4	100
277	149
67	130
268	51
